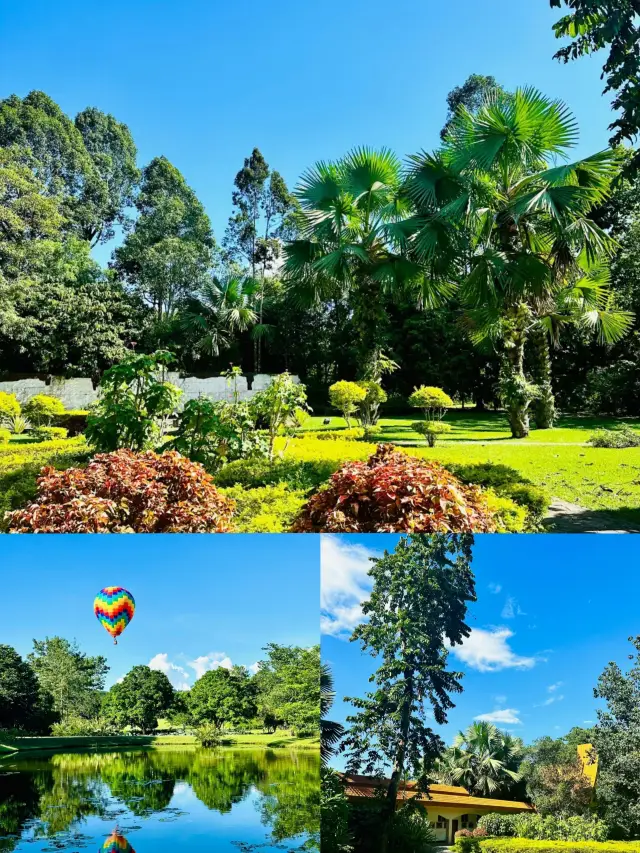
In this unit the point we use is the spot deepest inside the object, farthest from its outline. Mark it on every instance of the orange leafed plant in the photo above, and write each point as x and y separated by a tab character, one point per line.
393	491
127	492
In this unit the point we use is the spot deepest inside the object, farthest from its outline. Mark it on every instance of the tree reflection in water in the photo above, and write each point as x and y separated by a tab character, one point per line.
48	797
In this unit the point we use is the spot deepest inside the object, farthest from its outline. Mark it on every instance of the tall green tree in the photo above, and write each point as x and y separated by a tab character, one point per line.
74	680
23	703
288	683
262	219
472	95
616	739
517	229
416	611
351	243
62	162
113	152
555	779
141	697
222	309
169	254
484	760
594	25
223	696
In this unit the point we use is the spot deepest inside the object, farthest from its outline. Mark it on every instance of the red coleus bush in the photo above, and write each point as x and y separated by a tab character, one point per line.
392	491
127	492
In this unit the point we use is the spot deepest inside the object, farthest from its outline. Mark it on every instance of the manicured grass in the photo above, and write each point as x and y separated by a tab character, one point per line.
278	740
488	426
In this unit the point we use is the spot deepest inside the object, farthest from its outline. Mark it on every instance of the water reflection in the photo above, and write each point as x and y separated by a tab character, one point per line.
240	797
117	843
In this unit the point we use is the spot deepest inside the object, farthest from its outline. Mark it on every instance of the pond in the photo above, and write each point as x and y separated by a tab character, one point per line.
161	799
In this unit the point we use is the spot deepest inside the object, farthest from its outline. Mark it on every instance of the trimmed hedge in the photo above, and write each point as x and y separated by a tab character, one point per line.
20	466
527	845
267	509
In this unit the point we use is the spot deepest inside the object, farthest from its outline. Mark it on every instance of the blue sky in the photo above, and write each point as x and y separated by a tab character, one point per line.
204	81
552	611
201	600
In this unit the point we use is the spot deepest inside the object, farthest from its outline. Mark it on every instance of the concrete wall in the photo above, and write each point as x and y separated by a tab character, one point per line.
79	393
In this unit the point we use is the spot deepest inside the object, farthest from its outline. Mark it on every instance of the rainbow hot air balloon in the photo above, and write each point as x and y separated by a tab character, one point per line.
117	843
114	606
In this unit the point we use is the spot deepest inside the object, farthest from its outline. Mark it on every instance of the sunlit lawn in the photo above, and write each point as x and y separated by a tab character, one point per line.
557	459
489	426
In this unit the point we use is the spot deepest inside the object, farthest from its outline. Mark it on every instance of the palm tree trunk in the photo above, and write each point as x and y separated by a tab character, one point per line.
544	409
370	321
515	391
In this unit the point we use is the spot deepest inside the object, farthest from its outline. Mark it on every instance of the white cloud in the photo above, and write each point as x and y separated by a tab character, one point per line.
176	674
555	696
253	668
512	609
506	715
500	700
489	651
344	584
495	588
205	663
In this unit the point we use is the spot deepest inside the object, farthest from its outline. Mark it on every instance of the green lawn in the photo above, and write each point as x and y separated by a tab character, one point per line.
279	740
489	426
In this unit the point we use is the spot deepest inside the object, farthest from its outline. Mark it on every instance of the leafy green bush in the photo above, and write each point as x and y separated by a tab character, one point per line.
505	482
9	407
529	845
347	397
5	435
282	405
135	403
43	409
511	518
20	466
466	842
545	828
369	408
213	432
74	420
431	430
74	726
616	438
49	433
208	735
352	434
253	473
267	509
433	401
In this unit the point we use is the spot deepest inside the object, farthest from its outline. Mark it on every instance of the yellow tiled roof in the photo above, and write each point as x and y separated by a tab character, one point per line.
439	795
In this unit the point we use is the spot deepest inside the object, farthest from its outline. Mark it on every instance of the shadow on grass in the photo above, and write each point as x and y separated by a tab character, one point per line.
623	519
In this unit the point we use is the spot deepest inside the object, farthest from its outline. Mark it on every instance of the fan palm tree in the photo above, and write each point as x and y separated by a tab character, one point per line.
515	225
224	307
351	242
330	732
483	760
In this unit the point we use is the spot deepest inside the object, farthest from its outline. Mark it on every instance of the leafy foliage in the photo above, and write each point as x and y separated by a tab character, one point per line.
483	759
347	397
43	409
265	509
545	827
625	437
139	699
433	401
334	813
288	681
222	697
280	405
525	845
9	407
395	492
24	703
134	403
125	492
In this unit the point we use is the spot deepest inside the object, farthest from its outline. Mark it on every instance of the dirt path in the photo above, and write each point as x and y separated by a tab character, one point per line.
565	517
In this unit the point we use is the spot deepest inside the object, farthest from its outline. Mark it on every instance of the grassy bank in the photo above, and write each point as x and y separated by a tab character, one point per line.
11	746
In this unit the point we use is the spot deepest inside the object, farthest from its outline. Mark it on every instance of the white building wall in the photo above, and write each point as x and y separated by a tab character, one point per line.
80	393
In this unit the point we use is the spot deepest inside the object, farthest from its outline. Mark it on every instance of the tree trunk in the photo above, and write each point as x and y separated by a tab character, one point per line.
513	386
371	323
544	408
391	798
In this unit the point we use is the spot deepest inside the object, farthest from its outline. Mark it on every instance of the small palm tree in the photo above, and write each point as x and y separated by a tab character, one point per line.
330	733
483	760
351	243
224	307
513	224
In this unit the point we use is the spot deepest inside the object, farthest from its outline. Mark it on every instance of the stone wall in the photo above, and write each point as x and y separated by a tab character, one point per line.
80	393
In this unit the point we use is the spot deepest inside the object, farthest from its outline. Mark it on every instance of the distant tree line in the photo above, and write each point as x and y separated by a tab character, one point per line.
59	688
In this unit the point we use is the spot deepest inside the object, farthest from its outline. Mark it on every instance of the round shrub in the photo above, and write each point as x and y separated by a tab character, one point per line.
127	492
431	430
49	433
268	509
353	434
393	491
5	435
9	407
74	420
433	400
346	396
497	824
42	409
